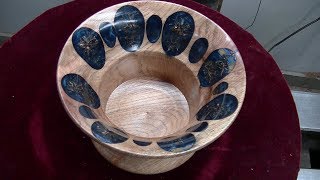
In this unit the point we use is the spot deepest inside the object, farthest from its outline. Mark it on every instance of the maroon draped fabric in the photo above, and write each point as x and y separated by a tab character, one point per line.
39	141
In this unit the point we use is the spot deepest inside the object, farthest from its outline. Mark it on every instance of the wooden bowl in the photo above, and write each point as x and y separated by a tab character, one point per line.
150	82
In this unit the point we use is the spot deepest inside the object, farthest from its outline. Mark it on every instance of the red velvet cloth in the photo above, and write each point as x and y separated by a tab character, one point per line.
39	141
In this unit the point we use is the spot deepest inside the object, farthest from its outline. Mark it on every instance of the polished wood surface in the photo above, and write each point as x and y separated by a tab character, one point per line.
149	95
141	165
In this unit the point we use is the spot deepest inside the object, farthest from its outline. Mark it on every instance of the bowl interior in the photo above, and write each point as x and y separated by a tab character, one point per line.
151	97
151	78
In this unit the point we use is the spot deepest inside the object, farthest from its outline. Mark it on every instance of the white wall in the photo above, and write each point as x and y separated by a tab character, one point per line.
15	14
276	20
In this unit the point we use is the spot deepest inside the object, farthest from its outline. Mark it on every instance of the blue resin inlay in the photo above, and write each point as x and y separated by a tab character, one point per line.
178	145
106	135
198	127
177	33
89	46
87	112
218	65
198	49
108	33
153	28
218	108
220	88
129	25
78	89
141	143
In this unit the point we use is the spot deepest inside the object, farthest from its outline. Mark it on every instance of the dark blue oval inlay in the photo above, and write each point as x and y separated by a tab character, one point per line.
218	65
198	49
141	143
177	33
220	88
129	25
87	112
218	108
198	127
89	46
108	33
106	135
178	145
78	89
153	28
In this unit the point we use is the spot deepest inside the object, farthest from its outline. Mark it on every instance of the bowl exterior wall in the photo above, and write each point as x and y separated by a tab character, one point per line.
139	164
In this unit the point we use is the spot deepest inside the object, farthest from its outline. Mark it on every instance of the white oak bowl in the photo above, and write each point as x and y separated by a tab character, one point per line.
150	82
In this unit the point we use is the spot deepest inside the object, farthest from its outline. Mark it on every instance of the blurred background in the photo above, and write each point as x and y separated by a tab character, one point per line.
288	29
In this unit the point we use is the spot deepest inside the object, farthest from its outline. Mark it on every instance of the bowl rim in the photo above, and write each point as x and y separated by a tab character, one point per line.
165	154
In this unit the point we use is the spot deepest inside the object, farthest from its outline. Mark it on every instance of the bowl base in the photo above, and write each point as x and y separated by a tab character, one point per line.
141	165
148	107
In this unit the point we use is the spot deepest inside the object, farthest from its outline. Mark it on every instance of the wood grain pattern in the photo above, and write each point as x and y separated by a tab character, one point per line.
150	95
135	107
141	165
